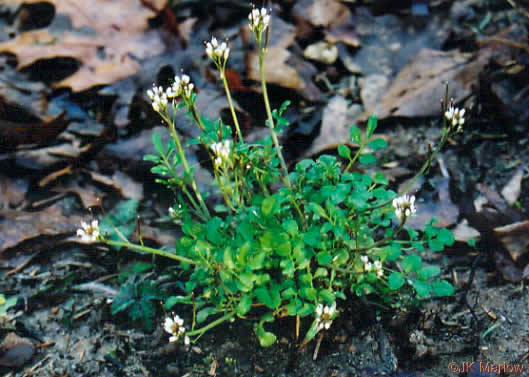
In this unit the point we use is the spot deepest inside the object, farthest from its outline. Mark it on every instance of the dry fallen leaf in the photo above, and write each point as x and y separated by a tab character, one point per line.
321	13
118	37
335	124
418	88
15	351
14	134
513	188
515	238
19	226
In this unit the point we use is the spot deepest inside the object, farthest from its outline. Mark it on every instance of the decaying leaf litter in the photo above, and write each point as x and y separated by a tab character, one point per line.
75	123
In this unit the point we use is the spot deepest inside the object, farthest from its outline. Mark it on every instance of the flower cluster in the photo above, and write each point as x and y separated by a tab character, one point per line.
456	117
89	232
259	19
222	151
404	207
182	86
325	316
219	53
158	98
175	327
376	266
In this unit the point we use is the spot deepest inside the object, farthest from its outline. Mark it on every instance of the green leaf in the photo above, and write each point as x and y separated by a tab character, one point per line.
270	297
266	338
422	288
391	252
327	295
173	300
442	288
367	158
380	179
428	272
291	226
435	245
313	330
316	208
157	142
324	258
268	206
411	263
308	293
344	151
377	144
124	299
395	281
203	314
355	135
320	272
445	237
244	305
6	304
151	157
247	279
371	126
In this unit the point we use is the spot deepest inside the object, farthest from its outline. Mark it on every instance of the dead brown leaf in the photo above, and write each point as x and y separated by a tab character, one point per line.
322	13
282	67
12	191
418	88
90	196
335	124
15	351
441	207
120	182
122	37
515	238
513	188
19	226
13	134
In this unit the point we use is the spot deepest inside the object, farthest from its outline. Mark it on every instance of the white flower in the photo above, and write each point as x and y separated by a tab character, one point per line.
89	232
378	268
364	258
221	150
456	117
325	316
182	86
404	207
175	327
217	52
259	19
158	98
368	266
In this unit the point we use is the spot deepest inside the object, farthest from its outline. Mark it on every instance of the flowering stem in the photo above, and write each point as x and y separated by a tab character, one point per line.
286	179
175	137
151	250
427	164
216	322
230	102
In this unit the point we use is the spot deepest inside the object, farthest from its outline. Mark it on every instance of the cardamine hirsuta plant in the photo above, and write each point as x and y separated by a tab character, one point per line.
283	243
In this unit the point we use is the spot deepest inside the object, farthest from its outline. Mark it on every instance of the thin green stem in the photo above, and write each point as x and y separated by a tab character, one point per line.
286	178
230	102
174	135
151	250
216	322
